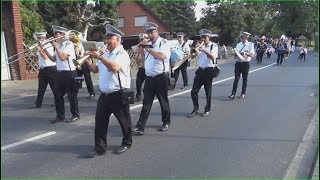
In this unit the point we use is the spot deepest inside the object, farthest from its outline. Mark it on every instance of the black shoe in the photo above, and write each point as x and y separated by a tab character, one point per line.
94	153
193	113
164	127
183	87
72	119
206	113
137	132
56	120
121	149
241	96
91	96
36	106
231	97
137	99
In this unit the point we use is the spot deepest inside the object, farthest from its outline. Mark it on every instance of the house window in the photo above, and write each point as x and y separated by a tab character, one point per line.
121	22
140	20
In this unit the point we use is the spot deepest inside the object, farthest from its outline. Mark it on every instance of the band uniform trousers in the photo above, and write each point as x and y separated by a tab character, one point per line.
65	84
260	56
141	76
241	68
112	104
46	76
203	77
85	71
268	55
183	69
155	86
280	58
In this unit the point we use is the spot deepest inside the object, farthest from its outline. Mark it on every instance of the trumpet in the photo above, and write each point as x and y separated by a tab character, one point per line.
80	61
72	35
194	52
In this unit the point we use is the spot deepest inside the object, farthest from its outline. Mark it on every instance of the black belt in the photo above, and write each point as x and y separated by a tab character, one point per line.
46	67
113	93
153	77
204	68
66	71
242	62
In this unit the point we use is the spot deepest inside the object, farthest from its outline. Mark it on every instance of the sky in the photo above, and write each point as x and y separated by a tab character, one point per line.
200	4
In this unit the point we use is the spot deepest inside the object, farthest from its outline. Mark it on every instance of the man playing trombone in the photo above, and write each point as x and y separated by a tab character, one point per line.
65	80
47	68
207	55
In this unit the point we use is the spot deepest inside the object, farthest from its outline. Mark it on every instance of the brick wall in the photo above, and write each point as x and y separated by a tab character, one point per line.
129	10
11	25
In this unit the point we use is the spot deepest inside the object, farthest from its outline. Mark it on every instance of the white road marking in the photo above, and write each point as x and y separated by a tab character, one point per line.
27	140
132	107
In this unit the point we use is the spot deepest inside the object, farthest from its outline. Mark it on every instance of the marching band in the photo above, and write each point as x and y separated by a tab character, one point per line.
58	61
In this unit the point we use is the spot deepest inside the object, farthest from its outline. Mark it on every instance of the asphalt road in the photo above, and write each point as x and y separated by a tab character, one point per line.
255	137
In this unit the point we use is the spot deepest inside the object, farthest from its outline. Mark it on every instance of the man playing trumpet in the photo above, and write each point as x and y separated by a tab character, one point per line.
242	66
208	52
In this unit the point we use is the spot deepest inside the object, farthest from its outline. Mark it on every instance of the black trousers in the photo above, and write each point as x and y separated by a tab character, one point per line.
85	71
203	77
183	69
155	86
268	55
280	58
65	84
112	104
141	76
302	55
260	56
46	76
240	68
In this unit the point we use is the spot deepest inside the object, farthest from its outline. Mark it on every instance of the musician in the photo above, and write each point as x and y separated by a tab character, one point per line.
281	49
114	71
84	70
141	74
261	48
47	68
156	84
183	68
242	67
65	82
207	55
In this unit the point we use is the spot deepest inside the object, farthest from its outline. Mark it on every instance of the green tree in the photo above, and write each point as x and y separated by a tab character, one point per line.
31	21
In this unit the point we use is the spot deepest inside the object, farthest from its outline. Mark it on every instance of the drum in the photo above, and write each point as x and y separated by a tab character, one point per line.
176	55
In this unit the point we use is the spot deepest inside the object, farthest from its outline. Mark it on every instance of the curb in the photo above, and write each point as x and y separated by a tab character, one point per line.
303	163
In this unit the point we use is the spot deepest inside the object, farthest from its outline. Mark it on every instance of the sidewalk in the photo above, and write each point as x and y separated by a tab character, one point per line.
316	169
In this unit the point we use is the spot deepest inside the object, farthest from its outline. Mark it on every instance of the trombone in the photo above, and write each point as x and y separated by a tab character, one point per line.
72	35
83	59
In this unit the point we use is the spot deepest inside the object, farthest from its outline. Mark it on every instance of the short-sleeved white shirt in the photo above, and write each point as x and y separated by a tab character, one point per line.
68	48
184	48
108	80
246	47
46	62
154	67
203	60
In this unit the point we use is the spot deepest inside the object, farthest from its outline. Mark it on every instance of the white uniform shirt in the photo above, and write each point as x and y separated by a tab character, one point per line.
46	62
203	60
184	48
247	47
68	48
154	67
108	80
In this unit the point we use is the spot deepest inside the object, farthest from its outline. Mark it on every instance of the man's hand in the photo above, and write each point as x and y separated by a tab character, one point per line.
89	61
94	54
55	44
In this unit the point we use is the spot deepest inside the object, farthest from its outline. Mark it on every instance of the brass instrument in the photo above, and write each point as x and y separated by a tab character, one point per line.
72	35
194	52
83	59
